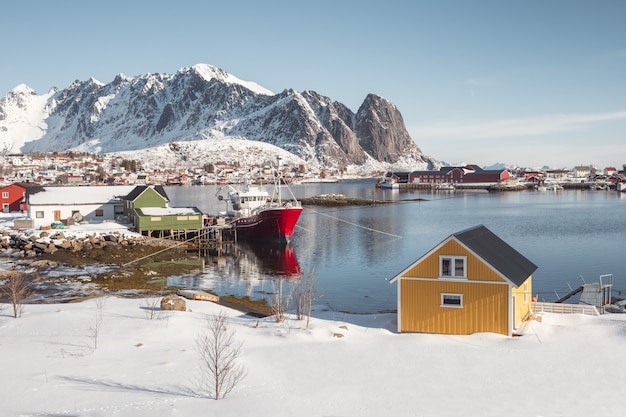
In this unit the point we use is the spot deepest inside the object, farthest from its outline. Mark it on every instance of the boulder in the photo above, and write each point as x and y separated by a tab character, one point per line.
65	244
111	238
173	302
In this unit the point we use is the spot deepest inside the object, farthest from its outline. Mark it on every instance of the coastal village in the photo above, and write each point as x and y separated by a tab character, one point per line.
140	200
73	168
89	189
24	176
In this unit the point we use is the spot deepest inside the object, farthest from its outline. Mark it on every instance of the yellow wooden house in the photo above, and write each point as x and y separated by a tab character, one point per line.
471	282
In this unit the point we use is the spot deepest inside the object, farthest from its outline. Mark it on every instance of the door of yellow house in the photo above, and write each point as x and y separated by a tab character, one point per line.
57	215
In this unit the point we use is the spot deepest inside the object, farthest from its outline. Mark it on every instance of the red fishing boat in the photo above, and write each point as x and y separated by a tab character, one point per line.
257	215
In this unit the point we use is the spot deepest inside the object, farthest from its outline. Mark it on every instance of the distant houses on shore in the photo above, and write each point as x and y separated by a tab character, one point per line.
473	174
75	168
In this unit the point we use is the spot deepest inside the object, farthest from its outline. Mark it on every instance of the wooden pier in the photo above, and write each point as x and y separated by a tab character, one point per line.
209	238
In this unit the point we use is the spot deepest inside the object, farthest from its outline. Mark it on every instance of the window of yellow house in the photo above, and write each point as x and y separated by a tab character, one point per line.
452	267
452	300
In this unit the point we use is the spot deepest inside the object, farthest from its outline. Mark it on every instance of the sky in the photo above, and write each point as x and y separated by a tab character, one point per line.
532	83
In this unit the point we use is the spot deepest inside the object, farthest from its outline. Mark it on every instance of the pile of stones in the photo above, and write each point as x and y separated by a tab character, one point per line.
31	245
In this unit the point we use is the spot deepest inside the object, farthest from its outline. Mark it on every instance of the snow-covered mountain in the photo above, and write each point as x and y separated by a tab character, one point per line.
198	110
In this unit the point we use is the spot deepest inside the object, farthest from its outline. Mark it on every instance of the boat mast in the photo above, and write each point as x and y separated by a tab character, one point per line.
280	202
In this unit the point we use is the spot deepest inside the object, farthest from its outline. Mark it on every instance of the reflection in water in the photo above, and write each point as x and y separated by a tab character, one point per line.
568	235
251	269
270	259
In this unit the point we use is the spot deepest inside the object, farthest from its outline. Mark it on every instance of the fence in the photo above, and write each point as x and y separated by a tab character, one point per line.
561	308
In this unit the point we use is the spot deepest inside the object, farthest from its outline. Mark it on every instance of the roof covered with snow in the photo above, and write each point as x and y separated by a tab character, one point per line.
169	211
80	195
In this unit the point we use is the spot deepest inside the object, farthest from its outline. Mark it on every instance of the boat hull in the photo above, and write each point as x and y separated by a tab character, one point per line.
273	224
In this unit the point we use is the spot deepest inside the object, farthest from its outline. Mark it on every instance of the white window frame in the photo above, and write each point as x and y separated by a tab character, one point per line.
445	295
5	194
453	260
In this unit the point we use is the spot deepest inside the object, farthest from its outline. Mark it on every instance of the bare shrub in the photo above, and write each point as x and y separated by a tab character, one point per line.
152	308
17	288
219	354
96	323
277	308
279	303
303	294
151	304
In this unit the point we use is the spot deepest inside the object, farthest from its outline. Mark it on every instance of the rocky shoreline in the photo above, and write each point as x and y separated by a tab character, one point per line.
108	262
44	242
334	200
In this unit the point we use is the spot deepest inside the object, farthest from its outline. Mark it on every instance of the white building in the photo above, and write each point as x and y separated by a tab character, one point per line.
82	203
581	171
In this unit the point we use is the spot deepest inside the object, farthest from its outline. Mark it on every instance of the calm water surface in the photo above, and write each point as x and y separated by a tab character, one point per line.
352	252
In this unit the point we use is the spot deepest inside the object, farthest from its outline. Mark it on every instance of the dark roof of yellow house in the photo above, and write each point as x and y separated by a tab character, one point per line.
497	253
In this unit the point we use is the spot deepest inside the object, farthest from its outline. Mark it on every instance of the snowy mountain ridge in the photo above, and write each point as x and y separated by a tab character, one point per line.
209	115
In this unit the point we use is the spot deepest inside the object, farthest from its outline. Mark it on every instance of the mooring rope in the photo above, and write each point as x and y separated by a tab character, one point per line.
160	251
355	224
203	232
298	226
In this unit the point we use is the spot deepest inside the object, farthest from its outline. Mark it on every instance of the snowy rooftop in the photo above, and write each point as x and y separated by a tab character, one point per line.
80	195
170	211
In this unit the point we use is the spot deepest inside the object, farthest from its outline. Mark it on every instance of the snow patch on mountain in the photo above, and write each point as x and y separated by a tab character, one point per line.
22	115
229	150
209	72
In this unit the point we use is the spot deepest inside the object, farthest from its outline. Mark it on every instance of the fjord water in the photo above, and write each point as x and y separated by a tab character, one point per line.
573	236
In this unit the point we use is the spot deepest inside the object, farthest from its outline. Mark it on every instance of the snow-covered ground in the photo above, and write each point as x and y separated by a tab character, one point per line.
78	230
342	365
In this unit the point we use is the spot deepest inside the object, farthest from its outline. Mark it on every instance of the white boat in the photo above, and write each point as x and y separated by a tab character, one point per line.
389	183
554	187
442	186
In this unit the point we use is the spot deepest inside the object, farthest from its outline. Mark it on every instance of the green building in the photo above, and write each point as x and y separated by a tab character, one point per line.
147	207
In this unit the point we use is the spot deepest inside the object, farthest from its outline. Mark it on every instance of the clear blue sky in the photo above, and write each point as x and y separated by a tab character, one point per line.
527	82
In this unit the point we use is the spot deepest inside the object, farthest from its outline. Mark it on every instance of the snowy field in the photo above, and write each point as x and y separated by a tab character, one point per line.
342	365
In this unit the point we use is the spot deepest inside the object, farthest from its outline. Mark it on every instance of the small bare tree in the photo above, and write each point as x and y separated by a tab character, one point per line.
96	323
17	289
219	354
277	308
279	303
151	304
303	294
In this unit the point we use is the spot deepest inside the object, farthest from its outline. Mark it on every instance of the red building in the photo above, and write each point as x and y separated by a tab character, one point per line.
13	197
469	174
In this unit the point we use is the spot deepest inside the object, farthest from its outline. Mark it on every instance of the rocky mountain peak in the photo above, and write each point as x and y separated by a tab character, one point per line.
205	103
